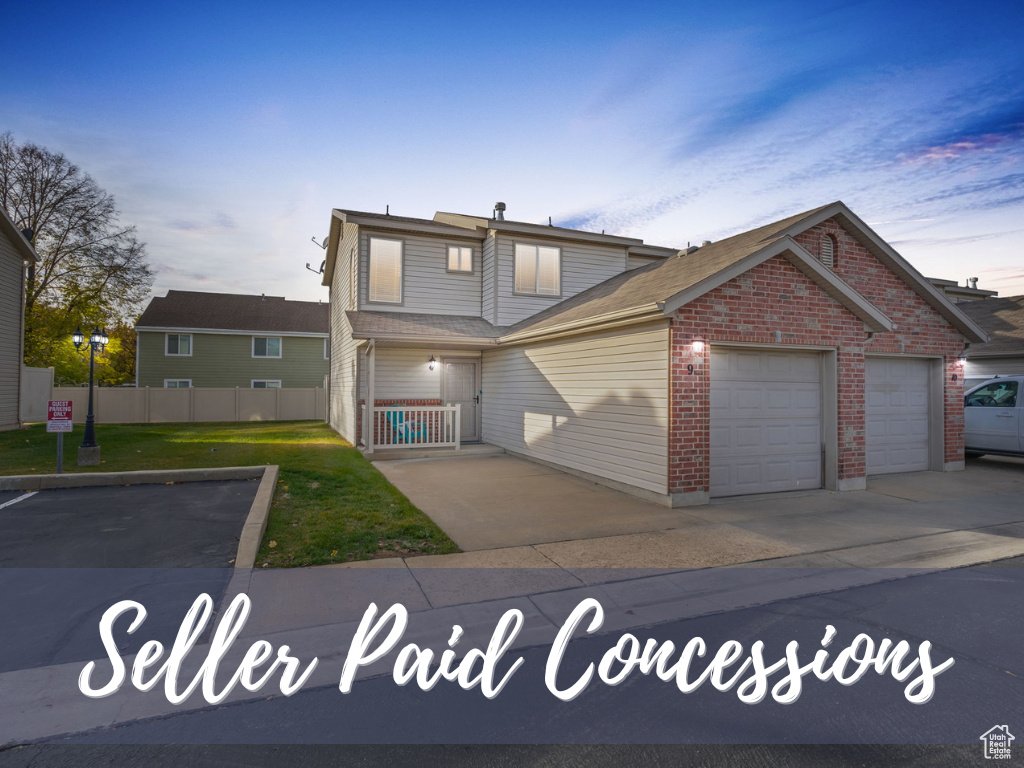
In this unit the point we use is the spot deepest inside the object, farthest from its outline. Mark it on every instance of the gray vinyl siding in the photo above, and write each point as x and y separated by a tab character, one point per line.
12	270
596	403
225	360
427	285
583	266
487	302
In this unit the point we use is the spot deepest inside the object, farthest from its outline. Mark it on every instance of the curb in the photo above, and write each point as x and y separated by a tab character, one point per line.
137	477
256	523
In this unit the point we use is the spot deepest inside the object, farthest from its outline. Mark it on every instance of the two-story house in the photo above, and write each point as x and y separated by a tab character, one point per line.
805	353
197	339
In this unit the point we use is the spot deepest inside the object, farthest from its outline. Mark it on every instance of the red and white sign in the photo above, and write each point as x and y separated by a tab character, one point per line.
58	415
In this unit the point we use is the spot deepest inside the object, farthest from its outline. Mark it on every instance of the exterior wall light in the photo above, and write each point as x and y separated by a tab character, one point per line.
431	362
698	345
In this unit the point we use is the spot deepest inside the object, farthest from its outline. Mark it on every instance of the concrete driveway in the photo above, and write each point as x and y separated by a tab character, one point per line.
508	512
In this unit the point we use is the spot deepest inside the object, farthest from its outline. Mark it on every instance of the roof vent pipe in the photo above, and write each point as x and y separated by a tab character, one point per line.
973	282
706	242
499	211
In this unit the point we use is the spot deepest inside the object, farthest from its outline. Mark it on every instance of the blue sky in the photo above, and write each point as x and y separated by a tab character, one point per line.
228	133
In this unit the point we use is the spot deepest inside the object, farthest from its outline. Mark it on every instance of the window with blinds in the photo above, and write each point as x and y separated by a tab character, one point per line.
538	269
460	258
385	270
827	251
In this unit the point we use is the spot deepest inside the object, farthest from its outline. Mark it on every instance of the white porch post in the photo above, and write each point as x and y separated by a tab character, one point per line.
371	360
458	426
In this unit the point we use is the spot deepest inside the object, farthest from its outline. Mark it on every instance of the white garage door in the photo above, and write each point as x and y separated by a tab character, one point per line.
897	415
765	421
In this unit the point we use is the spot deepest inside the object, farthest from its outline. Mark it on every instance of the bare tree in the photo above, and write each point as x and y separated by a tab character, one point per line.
91	268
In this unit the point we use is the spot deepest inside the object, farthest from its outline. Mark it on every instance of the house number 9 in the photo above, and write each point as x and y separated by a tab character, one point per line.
689	369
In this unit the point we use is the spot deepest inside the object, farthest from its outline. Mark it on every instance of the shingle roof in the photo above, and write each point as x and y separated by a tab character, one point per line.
1003	319
374	324
235	312
659	281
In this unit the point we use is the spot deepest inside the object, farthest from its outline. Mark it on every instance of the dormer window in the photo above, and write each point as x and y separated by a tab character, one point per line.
827	251
460	258
538	270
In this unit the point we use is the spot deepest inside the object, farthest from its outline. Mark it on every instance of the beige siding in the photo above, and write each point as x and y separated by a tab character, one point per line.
404	374
583	265
428	286
641	261
12	272
595	403
344	363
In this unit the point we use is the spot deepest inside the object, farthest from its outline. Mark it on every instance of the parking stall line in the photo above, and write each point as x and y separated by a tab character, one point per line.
20	498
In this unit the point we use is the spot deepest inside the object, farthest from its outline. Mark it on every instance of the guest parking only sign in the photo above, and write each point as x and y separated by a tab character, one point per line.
58	416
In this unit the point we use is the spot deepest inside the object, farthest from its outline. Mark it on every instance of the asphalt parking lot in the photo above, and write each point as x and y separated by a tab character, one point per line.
181	525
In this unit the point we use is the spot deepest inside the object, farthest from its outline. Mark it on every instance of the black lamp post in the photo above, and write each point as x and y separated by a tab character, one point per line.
89	452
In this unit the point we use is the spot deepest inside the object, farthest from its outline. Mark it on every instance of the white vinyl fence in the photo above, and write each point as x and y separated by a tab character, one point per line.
131	405
36	386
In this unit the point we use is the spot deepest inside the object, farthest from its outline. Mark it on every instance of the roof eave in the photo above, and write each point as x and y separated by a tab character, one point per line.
28	253
633	314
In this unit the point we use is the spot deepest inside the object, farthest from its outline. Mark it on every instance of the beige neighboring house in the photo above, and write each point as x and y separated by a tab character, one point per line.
805	353
1003	355
15	253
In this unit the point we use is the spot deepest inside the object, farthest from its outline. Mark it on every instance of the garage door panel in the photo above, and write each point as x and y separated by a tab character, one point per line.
765	421
897	415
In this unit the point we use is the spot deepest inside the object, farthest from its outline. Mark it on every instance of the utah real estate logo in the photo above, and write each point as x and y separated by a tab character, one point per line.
997	742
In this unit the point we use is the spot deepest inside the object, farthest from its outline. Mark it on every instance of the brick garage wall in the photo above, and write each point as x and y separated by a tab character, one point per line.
774	296
920	330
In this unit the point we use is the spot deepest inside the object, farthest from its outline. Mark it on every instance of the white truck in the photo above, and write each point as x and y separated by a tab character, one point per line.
993	418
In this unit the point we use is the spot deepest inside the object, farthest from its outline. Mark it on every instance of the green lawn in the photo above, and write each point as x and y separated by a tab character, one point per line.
331	504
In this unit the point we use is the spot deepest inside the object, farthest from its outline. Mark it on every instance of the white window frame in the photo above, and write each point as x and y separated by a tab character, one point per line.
167	381
369	271
167	345
280	348
266	383
536	277
461	251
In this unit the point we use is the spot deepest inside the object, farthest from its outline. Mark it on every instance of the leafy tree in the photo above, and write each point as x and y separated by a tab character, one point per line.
92	270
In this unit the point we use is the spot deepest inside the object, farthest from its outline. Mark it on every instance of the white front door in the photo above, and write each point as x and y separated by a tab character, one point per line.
461	388
766	421
897	415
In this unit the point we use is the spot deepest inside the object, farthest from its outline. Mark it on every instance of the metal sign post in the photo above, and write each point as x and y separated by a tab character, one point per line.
58	419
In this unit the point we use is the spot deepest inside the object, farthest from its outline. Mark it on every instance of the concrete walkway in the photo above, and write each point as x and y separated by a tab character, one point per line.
510	513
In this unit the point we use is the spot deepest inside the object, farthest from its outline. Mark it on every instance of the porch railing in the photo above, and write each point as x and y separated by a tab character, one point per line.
396	426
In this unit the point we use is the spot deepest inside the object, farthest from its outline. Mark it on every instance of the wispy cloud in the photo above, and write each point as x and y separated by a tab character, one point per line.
215	222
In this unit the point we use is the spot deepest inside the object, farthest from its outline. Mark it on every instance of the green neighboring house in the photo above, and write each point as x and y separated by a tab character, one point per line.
196	339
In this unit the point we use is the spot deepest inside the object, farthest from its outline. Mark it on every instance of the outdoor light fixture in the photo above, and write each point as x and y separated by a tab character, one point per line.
431	362
89	451
698	345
